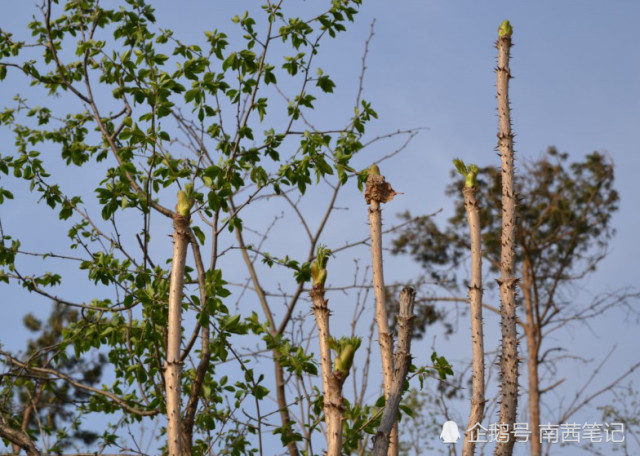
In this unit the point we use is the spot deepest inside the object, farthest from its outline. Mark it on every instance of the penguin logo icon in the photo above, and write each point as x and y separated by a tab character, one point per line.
450	433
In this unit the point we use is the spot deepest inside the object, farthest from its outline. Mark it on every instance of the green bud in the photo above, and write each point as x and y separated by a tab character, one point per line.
346	358
374	169
505	29
345	349
318	274
319	266
184	204
469	172
472	173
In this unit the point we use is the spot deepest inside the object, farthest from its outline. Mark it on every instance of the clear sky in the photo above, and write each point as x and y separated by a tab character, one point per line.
576	86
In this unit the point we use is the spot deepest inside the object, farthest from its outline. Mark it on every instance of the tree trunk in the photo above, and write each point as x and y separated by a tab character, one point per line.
331	382
477	337
533	348
507	281
389	421
281	396
173	363
378	191
385	339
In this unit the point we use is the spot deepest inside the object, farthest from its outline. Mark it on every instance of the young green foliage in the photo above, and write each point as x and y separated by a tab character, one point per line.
319	266
469	172
145	112
345	349
185	200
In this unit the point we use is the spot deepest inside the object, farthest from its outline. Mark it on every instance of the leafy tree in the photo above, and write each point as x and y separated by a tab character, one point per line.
564	225
210	136
555	195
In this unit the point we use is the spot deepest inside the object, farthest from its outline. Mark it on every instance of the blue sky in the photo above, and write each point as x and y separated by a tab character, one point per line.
576	86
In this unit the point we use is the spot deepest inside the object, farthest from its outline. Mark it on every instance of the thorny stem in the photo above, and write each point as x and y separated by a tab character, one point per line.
507	281
477	337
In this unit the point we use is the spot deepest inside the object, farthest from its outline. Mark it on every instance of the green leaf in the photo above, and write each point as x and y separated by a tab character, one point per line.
460	166
326	84
198	233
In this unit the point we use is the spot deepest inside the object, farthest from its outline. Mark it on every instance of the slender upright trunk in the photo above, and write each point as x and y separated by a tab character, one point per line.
385	339
533	349
477	337
173	364
281	397
331	382
378	191
507	281
402	362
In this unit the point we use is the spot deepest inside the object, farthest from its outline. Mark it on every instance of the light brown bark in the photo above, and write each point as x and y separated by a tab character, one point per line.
476	413
402	362
173	364
507	281
385	339
532	333
380	191
18	438
331	381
